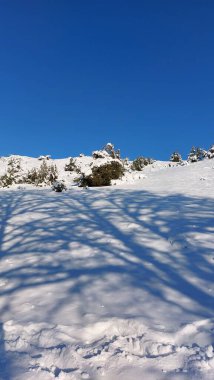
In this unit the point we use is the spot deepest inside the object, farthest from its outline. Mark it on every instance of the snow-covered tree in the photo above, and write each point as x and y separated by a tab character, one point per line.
196	154
210	153
100	154
13	174
109	148
44	175
71	166
139	163
192	157
46	157
58	186
102	175
201	153
176	157
107	151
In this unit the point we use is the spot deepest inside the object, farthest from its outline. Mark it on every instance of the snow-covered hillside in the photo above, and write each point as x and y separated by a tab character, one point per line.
112	283
84	165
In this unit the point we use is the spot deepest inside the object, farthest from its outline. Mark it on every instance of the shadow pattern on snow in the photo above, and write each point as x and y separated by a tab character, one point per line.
90	244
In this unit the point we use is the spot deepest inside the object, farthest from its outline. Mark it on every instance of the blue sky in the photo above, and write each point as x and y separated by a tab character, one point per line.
77	74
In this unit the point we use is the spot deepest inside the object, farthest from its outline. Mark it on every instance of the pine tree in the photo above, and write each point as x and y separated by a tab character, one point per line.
176	157
210	153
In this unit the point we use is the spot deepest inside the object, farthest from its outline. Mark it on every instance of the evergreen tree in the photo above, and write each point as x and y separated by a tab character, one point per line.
196	154
210	153
176	157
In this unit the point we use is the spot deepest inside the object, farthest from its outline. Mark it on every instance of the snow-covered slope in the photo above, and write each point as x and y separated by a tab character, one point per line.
109	283
84	164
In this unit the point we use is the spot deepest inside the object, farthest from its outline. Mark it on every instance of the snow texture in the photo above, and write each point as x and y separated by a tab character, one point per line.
110	283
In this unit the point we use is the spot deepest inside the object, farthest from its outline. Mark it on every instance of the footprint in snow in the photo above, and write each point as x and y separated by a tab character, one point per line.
85	375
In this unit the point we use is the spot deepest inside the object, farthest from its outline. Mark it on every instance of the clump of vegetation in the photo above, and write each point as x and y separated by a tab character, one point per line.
109	148
14	165
176	157
102	175
12	176
44	175
58	186
196	154
99	154
71	166
107	151
210	153
46	157
139	163
6	180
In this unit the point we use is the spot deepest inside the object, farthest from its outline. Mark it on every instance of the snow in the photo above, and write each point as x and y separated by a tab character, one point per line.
109	283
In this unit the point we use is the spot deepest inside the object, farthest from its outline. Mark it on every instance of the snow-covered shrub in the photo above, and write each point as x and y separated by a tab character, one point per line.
176	157
6	180
201	153
139	163
196	154
109	148
44	175
210	153
192	157
102	175
58	186
71	166
46	157
107	151
14	165
13	174
99	154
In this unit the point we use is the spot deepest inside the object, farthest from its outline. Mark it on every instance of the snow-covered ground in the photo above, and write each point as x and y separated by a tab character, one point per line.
112	283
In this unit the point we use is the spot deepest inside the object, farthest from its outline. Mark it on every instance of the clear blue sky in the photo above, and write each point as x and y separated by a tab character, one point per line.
75	74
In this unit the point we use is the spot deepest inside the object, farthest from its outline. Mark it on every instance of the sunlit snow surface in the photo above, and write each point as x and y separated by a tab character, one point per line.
112	283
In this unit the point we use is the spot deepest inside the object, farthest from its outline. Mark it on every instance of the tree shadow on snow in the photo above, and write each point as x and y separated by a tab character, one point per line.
91	243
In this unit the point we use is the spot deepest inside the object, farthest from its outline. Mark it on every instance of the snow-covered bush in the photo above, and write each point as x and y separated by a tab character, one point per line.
107	151
46	157
58	186
6	180
71	166
139	163
44	175
210	153
201	153
109	148
196	154
13	174
99	154
192	157
176	157
102	175
14	165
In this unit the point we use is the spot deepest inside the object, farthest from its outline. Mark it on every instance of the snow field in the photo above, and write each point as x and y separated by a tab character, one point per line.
111	283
